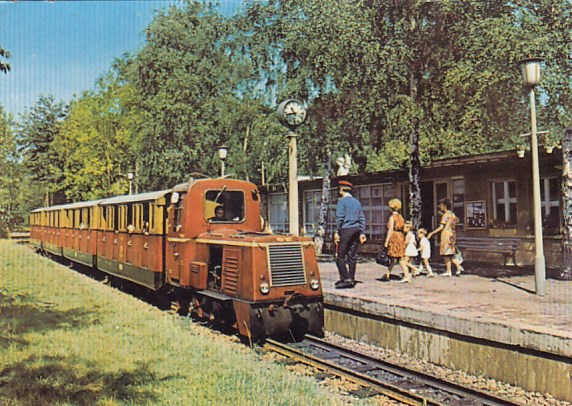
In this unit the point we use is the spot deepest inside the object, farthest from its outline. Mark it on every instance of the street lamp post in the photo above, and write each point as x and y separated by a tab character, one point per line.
222	153
531	74
130	177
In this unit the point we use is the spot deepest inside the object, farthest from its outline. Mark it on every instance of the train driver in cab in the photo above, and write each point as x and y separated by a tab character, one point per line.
219	215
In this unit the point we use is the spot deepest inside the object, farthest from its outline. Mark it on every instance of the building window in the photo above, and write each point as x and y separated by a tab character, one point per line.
550	201
311	211
278	212
458	186
312	205
504	203
374	199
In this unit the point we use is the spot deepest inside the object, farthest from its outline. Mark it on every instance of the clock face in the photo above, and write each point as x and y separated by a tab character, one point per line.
292	112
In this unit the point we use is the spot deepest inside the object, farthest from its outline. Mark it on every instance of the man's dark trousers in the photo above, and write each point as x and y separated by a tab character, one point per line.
347	251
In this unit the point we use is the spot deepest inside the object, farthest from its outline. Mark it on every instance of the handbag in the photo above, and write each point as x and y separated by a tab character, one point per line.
458	256
382	258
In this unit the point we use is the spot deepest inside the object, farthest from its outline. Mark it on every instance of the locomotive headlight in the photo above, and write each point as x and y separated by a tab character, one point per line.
264	288
314	284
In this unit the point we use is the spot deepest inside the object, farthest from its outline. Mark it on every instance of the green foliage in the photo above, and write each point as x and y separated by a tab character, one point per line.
185	84
18	192
8	172
97	141
38	129
371	71
376	68
549	21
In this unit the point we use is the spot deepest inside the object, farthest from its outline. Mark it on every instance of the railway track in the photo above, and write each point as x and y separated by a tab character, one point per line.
380	377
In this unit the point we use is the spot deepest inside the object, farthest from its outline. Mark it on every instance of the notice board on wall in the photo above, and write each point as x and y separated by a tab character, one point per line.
476	214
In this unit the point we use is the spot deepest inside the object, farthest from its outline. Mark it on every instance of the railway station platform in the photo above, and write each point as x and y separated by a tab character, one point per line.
486	322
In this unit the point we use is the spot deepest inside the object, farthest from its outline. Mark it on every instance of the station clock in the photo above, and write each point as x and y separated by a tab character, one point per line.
291	112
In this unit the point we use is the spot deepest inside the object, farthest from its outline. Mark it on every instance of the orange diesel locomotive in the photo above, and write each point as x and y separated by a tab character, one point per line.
202	244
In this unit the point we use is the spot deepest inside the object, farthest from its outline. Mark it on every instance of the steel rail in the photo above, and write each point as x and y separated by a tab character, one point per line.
411	378
388	390
484	397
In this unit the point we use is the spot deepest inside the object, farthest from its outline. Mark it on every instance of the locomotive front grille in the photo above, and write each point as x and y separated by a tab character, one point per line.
286	265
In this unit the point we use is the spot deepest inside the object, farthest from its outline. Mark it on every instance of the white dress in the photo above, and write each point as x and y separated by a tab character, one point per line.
425	248
410	249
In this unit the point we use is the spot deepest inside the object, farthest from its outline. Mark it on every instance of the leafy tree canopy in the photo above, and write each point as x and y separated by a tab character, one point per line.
98	142
371	71
37	130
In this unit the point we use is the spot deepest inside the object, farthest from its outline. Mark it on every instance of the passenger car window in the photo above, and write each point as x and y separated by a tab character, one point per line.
178	218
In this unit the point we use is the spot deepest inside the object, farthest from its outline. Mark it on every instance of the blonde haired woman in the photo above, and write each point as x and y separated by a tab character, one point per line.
395	239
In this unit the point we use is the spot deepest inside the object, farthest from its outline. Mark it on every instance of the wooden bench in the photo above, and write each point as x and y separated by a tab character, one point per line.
20	237
501	245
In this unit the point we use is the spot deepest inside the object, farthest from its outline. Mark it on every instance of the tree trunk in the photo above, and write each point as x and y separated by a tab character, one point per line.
320	232
566	268
414	179
414	163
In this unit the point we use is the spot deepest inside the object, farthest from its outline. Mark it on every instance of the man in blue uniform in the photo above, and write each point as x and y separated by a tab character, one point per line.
350	230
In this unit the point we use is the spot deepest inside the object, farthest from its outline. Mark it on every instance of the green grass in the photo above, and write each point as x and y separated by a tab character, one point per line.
66	339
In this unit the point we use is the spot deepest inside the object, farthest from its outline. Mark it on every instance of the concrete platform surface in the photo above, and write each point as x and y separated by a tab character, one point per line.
492	304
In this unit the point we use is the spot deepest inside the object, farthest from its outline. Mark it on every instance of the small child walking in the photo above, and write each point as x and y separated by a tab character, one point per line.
410	247
425	250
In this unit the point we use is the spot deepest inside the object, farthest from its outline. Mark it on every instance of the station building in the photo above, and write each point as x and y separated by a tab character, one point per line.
491	195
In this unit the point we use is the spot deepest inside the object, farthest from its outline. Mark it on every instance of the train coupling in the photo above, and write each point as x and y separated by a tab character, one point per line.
295	302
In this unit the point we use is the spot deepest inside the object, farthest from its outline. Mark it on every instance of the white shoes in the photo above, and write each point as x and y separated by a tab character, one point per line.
405	279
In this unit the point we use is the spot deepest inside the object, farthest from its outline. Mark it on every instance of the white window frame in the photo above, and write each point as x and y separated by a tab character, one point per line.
546	203
505	201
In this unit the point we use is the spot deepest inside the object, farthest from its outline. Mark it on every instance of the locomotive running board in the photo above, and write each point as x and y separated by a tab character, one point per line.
215	295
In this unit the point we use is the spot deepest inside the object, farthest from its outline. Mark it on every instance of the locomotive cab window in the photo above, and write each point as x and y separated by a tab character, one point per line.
224	206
